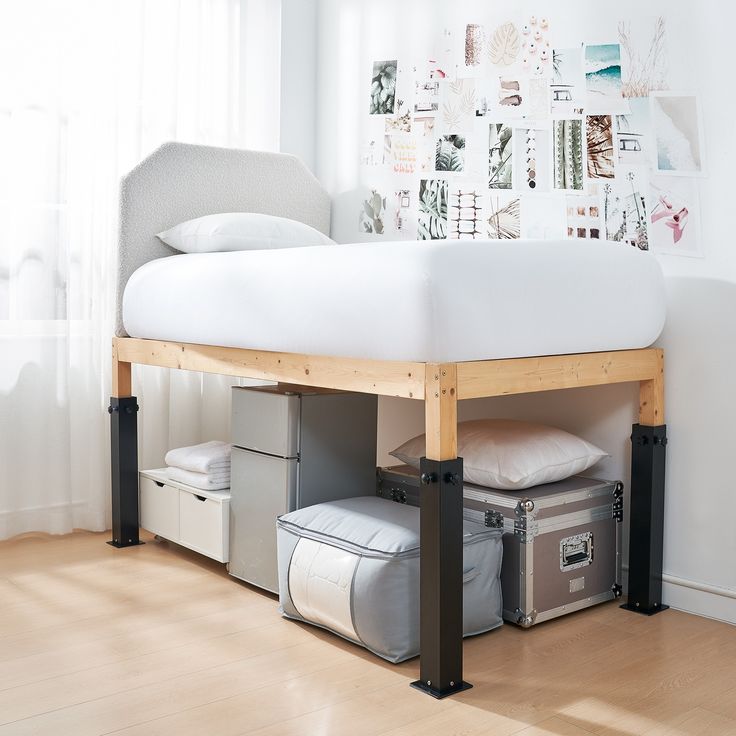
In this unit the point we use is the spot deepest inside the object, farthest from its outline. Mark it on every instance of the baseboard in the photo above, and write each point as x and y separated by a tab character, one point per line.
710	601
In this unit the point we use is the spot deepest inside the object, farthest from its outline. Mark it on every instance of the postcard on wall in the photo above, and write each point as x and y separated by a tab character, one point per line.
504	45
567	86
644	62
450	153
532	170
678	134
472	56
372	217
503	215
458	104
403	154
537	107
603	79
634	134
536	49
674	216
432	216
500	156
599	146
543	217
403	214
428	80
424	126
399	123
504	95
584	214
371	152
624	202
383	87
467	211
567	155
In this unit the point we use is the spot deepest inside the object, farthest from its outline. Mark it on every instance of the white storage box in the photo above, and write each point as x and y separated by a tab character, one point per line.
189	516
352	567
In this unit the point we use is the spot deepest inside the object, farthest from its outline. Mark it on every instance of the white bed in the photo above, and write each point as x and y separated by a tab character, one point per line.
416	301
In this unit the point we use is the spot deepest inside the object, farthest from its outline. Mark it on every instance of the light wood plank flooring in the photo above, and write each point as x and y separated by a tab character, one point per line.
156	640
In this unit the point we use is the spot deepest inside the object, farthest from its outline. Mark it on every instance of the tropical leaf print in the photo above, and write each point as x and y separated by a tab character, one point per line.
432	209
504	45
505	220
599	137
500	170
383	87
449	153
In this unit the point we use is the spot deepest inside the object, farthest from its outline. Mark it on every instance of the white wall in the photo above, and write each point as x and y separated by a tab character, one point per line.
700	337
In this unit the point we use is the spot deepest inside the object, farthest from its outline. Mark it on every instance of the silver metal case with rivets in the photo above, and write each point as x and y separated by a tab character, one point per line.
561	543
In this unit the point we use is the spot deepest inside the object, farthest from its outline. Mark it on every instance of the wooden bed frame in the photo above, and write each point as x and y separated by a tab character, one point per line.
440	386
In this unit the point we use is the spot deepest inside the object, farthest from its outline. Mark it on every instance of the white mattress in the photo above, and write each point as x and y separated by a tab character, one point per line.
419	301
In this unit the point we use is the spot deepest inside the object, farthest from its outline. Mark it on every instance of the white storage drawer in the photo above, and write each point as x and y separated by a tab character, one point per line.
204	524
159	508
193	518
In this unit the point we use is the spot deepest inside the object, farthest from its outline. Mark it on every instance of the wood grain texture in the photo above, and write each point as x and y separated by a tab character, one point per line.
122	375
651	396
440	411
160	641
546	373
386	378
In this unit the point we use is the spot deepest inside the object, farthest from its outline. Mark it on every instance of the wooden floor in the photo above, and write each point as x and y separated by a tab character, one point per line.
156	640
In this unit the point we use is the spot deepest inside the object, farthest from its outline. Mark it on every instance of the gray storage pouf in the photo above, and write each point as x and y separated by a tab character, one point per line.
352	567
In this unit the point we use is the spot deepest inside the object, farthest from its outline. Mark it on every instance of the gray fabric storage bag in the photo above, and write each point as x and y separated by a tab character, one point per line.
352	567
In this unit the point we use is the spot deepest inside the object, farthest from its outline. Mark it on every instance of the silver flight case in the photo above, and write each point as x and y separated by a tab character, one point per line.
561	542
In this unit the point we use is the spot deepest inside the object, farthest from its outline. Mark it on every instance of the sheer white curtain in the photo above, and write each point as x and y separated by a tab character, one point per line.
88	88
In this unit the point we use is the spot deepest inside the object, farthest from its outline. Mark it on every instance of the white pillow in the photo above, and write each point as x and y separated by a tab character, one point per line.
241	231
512	455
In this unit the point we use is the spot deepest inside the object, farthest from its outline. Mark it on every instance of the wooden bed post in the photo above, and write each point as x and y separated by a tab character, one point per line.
646	515
441	532
123	454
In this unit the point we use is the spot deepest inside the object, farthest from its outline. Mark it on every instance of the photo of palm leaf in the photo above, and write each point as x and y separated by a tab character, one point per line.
432	209
500	171
458	110
599	139
383	87
504	222
450	153
567	142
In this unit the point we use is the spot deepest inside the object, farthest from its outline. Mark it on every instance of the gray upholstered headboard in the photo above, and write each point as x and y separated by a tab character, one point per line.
180	181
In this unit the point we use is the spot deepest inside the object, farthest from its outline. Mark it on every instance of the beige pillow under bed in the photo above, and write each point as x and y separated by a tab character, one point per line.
512	455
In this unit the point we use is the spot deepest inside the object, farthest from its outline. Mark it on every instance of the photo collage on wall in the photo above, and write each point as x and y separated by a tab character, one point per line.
506	135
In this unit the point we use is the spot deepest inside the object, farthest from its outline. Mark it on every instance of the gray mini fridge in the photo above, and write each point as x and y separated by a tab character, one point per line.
292	447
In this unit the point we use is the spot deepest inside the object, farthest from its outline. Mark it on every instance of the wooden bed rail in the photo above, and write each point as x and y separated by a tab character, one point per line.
406	379
386	378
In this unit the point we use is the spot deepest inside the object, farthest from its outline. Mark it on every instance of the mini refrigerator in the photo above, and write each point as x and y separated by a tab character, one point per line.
292	447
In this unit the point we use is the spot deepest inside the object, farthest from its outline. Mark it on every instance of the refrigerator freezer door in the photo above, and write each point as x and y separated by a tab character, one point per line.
263	487
266	421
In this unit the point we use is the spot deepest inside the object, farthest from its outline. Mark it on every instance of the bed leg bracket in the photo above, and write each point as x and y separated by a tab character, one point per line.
124	463
646	519
441	578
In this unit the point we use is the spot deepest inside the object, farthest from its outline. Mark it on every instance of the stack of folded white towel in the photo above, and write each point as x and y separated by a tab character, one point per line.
205	466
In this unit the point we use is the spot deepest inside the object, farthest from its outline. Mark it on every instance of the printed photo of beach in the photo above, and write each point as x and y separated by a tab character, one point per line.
603	78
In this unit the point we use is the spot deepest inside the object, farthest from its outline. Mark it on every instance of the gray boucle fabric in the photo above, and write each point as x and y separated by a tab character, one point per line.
181	181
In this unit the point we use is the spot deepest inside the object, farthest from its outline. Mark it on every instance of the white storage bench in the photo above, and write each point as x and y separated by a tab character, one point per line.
191	517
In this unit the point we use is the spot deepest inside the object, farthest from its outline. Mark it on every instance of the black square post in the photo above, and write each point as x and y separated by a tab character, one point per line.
441	578
646	519
124	464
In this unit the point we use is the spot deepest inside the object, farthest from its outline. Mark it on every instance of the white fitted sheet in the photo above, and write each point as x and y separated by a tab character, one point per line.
421	301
